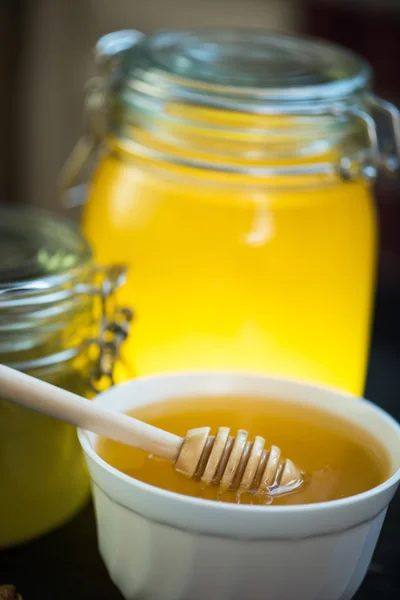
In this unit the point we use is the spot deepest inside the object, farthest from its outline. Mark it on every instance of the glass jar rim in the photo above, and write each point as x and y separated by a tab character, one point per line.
273	98
46	260
56	305
246	70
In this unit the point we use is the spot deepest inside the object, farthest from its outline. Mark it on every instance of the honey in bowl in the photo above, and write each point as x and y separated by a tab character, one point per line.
338	458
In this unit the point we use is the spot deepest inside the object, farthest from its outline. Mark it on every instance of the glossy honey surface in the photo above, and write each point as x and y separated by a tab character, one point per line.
266	280
338	459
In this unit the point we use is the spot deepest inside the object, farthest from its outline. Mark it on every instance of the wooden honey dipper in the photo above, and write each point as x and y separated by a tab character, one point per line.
230	462
234	462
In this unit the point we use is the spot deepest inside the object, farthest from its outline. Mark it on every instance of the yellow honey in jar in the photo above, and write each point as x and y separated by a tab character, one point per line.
237	192
338	458
276	282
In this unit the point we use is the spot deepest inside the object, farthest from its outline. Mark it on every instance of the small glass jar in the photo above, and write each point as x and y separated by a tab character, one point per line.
234	174
57	323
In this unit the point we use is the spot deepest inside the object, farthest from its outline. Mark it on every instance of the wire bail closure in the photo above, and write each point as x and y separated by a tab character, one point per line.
390	155
108	51
380	154
114	325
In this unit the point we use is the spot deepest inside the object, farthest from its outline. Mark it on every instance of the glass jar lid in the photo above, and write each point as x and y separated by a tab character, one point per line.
54	301
244	69
38	251
45	260
251	104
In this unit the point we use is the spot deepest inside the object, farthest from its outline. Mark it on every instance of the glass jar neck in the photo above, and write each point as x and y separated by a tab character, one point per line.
66	320
46	320
263	146
231	100
250	106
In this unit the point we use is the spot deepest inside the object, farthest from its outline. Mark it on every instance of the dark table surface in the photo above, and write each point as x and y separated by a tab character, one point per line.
65	565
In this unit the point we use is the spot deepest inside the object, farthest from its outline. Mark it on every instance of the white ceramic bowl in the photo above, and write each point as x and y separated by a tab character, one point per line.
158	545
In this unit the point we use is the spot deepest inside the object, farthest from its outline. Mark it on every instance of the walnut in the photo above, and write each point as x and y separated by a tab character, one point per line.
9	592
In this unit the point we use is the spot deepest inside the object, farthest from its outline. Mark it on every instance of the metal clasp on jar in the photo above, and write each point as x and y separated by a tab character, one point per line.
114	324
366	163
386	155
377	155
108	51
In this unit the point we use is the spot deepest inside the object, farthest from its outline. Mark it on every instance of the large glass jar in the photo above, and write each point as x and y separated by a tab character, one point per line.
235	177
56	323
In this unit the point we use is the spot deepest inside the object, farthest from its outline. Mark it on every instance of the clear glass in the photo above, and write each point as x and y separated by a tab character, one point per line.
47	318
219	185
